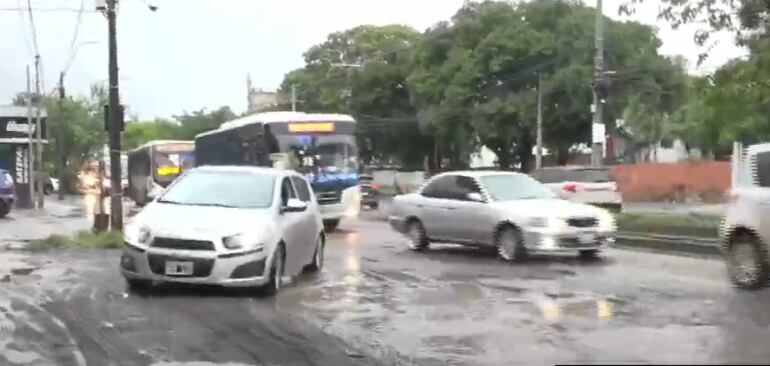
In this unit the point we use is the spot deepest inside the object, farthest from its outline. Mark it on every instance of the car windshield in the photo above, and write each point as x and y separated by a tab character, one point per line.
223	189
570	175
510	187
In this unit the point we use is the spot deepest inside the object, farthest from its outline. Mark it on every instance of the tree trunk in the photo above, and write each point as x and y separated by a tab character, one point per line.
504	159
562	154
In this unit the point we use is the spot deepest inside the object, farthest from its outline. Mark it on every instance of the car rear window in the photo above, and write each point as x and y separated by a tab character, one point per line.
5	179
573	175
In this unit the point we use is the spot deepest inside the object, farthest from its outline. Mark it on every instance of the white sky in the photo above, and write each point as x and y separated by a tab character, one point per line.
192	54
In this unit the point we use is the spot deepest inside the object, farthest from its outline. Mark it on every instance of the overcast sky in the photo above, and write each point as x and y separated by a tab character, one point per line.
192	54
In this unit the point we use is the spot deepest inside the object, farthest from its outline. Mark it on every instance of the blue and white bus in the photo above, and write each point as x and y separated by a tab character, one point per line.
320	146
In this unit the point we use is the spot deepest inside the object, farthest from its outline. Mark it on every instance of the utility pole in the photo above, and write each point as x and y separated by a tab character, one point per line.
115	123
30	149
59	138
539	152
40	186
293	97
596	147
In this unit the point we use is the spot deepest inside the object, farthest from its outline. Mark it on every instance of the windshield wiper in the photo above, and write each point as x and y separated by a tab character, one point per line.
170	202
212	205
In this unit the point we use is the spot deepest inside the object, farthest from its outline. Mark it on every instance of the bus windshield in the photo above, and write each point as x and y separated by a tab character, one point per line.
170	161
321	154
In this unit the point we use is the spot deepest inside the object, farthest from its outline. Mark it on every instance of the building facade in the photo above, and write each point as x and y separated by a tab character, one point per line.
16	134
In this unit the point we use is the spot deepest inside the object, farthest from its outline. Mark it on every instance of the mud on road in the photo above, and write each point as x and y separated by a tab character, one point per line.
378	303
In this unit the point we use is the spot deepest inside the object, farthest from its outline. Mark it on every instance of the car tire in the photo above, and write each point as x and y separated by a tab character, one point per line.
589	254
317	262
273	284
510	244
418	239
742	273
136	285
374	205
4	209
331	225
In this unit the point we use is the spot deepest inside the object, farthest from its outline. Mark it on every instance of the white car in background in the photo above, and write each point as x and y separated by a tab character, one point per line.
589	185
228	226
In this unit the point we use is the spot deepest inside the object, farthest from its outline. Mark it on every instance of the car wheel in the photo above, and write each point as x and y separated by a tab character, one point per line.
273	284
374	205
317	263
4	209
589	254
135	285
418	240
331	225
510	245
747	264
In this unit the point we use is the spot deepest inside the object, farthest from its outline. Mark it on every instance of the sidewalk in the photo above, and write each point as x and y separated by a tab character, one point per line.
64	217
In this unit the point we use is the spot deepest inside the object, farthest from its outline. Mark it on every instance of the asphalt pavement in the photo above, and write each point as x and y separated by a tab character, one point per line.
377	303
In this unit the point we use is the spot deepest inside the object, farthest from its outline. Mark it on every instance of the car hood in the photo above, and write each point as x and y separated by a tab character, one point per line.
556	208
196	221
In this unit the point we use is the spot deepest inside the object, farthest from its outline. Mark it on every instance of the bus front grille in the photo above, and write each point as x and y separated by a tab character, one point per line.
328	198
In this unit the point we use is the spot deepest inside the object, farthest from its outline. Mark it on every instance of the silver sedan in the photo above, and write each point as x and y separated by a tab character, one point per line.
510	211
229	226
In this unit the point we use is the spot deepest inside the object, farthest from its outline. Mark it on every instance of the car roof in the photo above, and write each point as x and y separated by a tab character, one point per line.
575	167
479	173
247	169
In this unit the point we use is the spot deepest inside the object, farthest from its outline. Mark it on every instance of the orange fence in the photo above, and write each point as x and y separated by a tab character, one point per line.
673	182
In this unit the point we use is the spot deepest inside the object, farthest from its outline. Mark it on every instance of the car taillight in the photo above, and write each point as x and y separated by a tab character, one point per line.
570	187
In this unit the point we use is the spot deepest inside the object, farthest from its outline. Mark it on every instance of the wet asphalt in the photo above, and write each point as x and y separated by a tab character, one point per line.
377	303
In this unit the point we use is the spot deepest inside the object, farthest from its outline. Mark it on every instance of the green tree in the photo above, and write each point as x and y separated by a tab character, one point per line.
191	124
138	133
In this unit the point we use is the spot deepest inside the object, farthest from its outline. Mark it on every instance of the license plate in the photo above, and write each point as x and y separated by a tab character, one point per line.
586	238
179	268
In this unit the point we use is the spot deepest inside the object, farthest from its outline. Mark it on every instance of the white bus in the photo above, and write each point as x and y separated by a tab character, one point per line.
320	146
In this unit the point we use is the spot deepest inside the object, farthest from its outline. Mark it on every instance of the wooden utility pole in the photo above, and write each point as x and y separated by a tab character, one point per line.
539	151
30	169
40	183
596	147
115	125
60	138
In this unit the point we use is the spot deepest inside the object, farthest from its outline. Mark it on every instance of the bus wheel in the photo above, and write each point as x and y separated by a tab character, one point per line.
331	225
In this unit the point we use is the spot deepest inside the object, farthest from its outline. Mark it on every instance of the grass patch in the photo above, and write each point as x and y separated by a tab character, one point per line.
82	240
706	226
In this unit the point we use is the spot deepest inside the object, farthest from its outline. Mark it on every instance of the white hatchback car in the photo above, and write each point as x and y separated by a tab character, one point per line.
229	226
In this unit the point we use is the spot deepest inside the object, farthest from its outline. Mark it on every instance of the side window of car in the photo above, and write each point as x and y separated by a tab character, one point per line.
763	169
287	191
302	188
467	185
438	188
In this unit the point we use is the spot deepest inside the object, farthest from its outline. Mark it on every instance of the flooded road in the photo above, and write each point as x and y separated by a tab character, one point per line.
378	303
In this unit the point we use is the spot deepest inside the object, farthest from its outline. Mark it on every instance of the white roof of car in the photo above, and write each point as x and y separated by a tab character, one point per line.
479	173
246	169
277	117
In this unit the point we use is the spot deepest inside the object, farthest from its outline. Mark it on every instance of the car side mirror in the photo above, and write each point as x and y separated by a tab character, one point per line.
294	205
474	196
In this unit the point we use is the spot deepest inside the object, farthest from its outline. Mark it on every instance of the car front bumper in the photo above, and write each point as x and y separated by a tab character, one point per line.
397	223
566	242
243	270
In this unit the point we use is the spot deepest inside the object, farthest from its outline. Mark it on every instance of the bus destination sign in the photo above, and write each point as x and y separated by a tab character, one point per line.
311	127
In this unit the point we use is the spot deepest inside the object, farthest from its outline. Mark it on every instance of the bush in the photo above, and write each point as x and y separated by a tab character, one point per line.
82	240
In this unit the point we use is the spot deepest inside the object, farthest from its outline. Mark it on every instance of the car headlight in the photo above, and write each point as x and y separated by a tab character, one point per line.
240	241
135	233
551	223
538	222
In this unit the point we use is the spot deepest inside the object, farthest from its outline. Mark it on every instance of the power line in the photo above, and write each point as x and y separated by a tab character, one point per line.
46	10
24	29
71	58
32	26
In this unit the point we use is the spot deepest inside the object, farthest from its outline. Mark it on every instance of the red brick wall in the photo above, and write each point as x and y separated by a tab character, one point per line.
705	181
